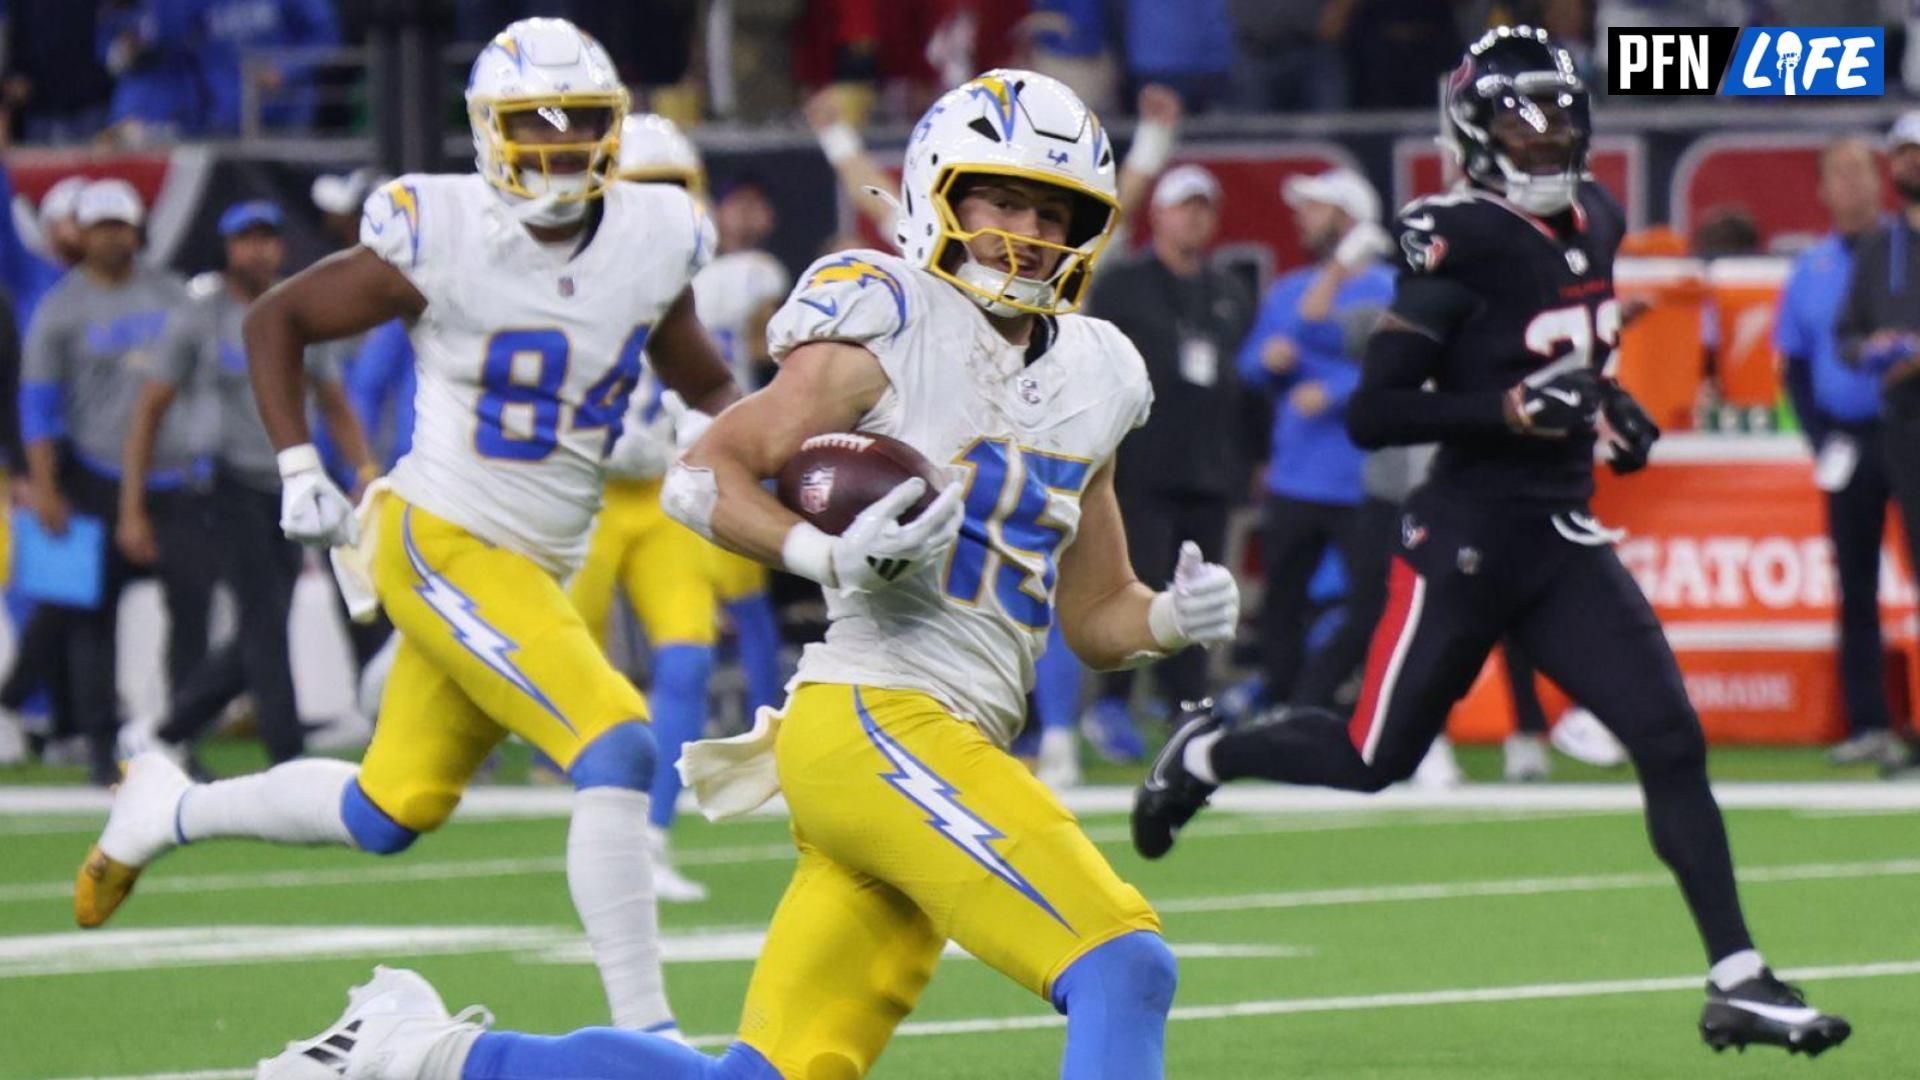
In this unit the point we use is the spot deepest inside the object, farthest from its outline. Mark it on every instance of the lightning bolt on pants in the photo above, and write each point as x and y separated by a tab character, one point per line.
913	829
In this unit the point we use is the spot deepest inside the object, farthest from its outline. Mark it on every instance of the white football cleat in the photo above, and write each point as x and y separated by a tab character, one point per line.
1438	771
1058	765
1581	736
669	885
1525	758
393	1029
139	830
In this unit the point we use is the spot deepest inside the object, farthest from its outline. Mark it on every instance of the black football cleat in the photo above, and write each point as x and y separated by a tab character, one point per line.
1170	795
1765	1011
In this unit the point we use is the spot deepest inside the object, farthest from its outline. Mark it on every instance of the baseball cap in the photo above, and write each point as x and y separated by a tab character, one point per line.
1905	132
108	200
58	203
1183	182
253	214
1341	187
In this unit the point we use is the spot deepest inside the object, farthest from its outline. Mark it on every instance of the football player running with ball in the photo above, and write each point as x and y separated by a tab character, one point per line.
914	825
530	290
1505	302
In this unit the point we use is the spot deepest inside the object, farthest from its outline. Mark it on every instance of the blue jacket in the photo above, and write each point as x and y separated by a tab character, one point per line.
1312	459
1803	331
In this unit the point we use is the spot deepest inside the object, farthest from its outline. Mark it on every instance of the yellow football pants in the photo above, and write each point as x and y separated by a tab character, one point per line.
489	645
658	561
913	829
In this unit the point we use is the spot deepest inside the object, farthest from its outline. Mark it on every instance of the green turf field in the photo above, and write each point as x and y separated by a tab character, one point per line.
1443	943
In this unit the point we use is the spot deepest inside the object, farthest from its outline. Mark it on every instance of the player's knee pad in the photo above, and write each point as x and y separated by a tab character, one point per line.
1133	976
1677	746
622	756
371	828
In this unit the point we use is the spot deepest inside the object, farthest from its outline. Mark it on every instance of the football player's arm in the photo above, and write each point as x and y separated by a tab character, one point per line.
337	412
821	387
1390	408
341	295
1102	605
687	360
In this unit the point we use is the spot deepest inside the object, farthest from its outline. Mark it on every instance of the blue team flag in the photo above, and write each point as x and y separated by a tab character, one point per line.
65	570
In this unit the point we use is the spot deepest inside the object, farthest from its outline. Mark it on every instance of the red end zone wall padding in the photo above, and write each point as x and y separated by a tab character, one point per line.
1727	538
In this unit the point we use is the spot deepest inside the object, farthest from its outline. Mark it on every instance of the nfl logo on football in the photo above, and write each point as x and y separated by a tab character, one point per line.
816	489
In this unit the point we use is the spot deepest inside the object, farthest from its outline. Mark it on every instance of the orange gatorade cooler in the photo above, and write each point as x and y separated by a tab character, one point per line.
1661	358
1746	294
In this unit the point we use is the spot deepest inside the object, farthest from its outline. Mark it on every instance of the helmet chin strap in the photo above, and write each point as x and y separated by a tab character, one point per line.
1026	290
1538	194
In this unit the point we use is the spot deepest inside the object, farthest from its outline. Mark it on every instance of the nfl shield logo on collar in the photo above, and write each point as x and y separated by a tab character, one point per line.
566	286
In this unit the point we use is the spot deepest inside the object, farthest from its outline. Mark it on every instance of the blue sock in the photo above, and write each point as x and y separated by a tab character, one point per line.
1056	688
759	634
1116	999
679	701
606	1052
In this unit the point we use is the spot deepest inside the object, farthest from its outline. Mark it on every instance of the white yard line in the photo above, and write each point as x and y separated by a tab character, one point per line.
1241	1010
484	803
1578	883
373	871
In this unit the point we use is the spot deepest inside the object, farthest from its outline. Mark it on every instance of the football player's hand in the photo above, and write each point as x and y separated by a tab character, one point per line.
134	535
1626	429
312	509
689	423
878	549
1555	408
1201	607
638	454
1362	244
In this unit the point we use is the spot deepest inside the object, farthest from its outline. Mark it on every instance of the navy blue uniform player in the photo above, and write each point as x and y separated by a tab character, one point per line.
1495	346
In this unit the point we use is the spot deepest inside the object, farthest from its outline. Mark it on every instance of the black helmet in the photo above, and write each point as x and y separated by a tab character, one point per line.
1516	82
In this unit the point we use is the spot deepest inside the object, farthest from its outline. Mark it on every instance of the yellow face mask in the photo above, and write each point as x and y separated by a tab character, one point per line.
587	130
1005	292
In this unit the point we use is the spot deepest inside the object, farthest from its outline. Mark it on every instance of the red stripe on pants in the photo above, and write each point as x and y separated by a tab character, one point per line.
1386	638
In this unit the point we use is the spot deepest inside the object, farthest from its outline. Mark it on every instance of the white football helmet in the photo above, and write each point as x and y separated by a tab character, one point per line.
653	150
1018	124
551	70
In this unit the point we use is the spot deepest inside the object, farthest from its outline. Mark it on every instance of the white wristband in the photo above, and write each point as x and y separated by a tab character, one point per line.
808	552
1152	146
1162	624
839	142
295	460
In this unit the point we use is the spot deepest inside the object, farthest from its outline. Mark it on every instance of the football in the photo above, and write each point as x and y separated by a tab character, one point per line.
835	476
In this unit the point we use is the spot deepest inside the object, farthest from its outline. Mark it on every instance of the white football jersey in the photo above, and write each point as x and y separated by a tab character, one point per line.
527	352
727	293
1025	438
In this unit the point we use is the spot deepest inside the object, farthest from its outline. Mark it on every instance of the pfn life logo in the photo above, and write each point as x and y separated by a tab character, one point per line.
1757	61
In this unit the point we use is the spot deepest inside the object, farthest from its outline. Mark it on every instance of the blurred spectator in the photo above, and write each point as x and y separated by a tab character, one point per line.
836	44
1879	325
339	197
54	81
32	263
1398	52
1297	352
1186	45
652	44
1067	39
221	34
1176	477
157	91
1839	410
89	350
203	352
1291	57
1726	231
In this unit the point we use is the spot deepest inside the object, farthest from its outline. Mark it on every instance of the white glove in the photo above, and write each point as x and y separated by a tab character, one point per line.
312	510
1201	607
638	454
1363	243
688	422
878	549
